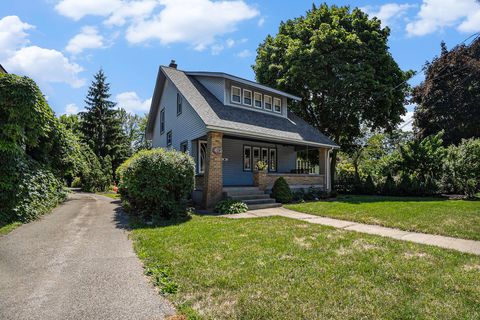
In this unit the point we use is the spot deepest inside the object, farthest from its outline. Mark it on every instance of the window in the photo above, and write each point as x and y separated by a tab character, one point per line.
169	138
268	103
162	121
202	156
179	104
247	97
184	146
256	156
247	158
277	105
236	95
265	155
257	97
272	165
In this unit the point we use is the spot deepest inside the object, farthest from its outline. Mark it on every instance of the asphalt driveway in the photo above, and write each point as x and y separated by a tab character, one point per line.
76	263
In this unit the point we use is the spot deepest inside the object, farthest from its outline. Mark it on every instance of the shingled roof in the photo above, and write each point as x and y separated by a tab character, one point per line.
234	120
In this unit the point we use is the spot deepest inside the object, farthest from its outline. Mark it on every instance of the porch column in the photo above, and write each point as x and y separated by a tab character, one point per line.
213	183
324	164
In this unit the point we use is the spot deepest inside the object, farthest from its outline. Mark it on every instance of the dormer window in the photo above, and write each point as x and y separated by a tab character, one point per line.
277	105
257	100
247	97
268	103
236	95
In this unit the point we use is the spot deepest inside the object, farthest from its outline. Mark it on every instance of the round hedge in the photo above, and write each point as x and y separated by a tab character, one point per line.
281	191
156	183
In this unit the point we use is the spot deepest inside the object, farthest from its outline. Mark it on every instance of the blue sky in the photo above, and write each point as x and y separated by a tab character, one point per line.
62	43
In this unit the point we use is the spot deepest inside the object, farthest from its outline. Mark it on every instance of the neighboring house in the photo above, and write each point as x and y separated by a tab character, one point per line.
2	69
228	124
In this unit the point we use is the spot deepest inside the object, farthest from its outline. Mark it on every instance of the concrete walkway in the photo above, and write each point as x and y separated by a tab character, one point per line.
76	263
468	246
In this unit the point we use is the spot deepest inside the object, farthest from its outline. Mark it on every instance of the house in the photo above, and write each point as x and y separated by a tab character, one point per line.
228	124
2	69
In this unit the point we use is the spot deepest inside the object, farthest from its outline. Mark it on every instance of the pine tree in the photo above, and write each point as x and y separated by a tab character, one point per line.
101	125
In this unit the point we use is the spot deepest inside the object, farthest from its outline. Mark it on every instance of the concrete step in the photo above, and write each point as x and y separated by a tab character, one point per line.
239	189
243	192
259	201
264	206
249	196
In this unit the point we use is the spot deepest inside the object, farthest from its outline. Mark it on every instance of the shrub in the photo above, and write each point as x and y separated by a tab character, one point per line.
96	172
389	186
281	191
157	182
369	186
231	206
77	182
405	186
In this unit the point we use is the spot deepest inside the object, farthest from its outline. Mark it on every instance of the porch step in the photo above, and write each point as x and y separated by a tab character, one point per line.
243	191
264	206
249	196
259	201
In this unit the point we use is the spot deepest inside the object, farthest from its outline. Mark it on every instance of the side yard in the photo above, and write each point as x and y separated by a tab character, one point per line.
277	268
455	218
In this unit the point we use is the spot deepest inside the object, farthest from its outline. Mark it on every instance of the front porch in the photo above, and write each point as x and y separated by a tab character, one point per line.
227	161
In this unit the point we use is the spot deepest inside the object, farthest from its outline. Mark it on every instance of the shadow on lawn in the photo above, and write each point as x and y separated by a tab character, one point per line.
359	199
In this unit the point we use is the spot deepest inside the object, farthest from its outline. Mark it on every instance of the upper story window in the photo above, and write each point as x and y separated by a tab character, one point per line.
179	104
247	97
236	95
277	105
268	103
257	100
162	121
169	138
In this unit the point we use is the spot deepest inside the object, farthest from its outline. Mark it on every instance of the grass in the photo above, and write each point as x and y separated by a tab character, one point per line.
455	218
278	268
109	194
9	227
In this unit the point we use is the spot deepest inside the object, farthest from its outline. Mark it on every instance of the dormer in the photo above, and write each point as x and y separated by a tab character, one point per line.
241	93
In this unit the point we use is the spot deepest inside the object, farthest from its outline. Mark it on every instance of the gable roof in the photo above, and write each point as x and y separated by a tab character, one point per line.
2	69
234	120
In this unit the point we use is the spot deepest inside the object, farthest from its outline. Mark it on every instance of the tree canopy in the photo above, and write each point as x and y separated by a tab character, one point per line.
337	61
449	97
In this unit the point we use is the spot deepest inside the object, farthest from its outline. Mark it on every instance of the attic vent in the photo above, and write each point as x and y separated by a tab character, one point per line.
173	64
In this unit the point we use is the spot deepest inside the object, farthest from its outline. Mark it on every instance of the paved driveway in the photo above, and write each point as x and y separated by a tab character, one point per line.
76	263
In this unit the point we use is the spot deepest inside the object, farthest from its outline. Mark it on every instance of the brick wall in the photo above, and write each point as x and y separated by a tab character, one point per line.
266	180
213	178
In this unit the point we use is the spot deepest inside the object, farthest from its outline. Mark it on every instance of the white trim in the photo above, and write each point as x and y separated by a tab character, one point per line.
231	94
198	155
265	102
249	160
274	114
251	97
269	137
277	99
261	100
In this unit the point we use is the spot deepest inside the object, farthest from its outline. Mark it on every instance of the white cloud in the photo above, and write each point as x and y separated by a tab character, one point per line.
131	10
71	108
88	38
244	53
216	49
131	102
77	9
261	22
197	22
435	15
45	65
407	122
12	35
388	12
230	43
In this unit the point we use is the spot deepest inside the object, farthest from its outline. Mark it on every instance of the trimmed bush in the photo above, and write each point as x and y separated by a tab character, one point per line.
156	183
230	206
369	186
389	186
281	191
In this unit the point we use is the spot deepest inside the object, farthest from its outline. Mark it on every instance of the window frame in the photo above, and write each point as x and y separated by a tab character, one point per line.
162	121
231	94
199	156
265	159
179	104
279	100
184	144
255	100
245	147
251	97
259	158
270	159
265	102
169	133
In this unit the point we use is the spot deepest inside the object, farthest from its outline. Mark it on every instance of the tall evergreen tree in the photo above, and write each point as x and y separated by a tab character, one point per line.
101	124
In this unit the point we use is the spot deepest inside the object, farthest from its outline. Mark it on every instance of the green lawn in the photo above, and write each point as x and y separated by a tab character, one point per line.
455	218
9	227
279	268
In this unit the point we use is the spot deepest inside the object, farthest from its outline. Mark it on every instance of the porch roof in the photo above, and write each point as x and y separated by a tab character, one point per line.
242	122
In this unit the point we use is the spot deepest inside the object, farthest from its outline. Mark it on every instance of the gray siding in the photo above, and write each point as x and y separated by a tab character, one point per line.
187	126
233	173
215	85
